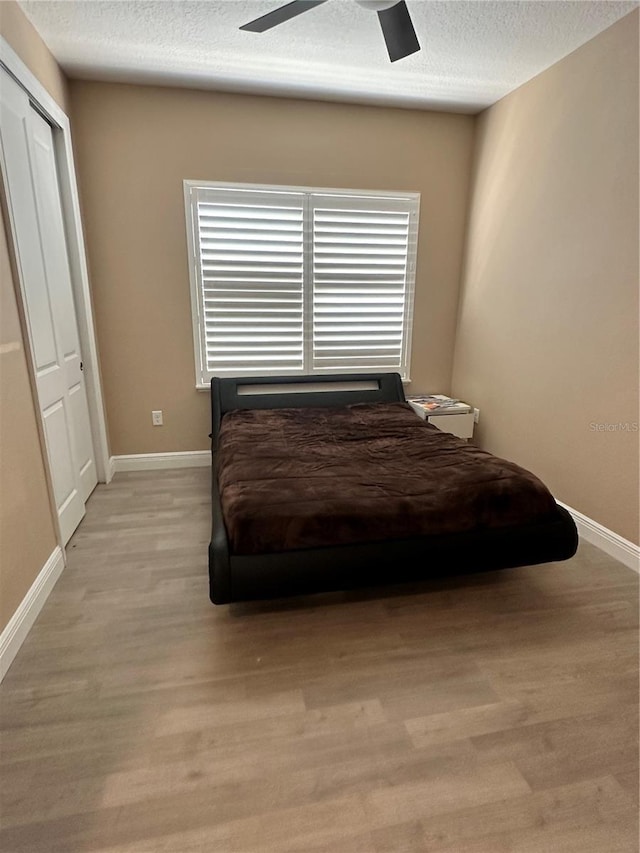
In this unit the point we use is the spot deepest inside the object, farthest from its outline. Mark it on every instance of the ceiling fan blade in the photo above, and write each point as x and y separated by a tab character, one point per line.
279	16
398	31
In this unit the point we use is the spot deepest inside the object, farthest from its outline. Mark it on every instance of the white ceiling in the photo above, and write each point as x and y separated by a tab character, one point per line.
473	51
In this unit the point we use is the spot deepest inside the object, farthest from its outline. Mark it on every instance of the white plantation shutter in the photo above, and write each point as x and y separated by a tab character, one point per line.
288	280
249	256
363	251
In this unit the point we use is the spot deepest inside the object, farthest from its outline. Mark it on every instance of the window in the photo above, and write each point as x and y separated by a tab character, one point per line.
290	280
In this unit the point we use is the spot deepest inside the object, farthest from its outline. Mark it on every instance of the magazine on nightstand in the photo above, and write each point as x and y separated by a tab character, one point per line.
437	404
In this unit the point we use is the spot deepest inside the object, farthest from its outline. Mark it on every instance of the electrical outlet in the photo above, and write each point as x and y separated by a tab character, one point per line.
476	416
156	418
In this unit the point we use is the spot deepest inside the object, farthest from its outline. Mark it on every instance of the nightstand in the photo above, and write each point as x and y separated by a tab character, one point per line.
456	419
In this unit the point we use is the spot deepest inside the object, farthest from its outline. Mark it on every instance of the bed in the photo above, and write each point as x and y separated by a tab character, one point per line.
333	482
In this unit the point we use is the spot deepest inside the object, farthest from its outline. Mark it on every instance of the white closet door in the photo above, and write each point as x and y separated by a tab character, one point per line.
54	248
34	198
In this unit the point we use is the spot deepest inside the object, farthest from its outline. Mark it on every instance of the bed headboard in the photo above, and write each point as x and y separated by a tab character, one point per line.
284	392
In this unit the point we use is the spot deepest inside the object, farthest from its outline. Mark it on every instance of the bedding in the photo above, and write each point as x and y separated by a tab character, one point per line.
301	478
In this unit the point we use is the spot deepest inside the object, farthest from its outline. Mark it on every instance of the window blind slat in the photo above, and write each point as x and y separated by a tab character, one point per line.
358	362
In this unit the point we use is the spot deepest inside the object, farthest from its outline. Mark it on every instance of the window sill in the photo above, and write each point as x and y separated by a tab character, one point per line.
405	382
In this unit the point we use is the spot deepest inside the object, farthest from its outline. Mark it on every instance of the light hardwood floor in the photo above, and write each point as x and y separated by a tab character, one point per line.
494	713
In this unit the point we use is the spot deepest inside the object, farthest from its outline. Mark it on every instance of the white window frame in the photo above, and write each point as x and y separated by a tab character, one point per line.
411	199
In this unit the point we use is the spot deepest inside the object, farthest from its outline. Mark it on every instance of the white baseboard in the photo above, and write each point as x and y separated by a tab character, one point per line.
611	543
20	623
156	461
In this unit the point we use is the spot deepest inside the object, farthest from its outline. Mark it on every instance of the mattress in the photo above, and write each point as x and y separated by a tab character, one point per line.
305	478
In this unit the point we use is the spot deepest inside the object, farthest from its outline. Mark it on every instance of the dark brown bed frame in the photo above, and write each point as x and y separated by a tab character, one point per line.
234	577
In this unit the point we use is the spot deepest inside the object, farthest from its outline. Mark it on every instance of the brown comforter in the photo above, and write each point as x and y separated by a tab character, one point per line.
305	478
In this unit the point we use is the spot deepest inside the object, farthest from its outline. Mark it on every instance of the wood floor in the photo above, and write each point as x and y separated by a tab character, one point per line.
493	713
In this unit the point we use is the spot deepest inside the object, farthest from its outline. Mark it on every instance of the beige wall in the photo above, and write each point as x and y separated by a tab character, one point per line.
134	147
27	535
547	342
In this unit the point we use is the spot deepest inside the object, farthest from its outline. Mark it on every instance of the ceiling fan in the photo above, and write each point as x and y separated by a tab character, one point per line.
395	21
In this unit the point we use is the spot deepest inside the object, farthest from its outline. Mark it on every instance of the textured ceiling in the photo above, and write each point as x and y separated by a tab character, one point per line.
473	53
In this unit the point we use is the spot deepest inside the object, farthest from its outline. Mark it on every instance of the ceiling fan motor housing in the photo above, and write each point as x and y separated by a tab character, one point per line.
376	5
